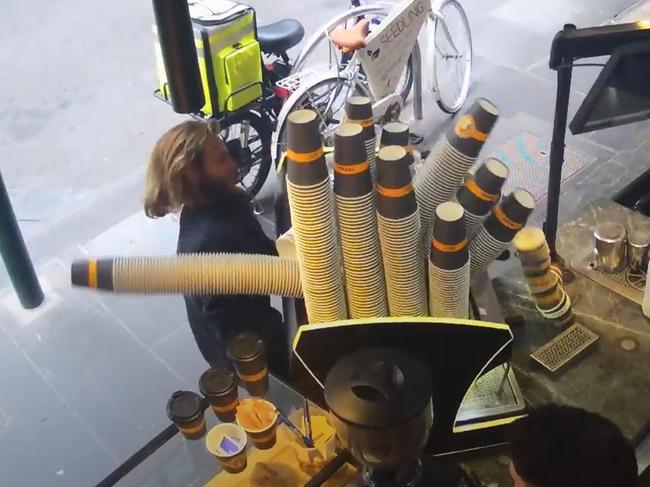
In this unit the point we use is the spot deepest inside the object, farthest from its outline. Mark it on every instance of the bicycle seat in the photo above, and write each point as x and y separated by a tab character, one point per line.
280	36
353	38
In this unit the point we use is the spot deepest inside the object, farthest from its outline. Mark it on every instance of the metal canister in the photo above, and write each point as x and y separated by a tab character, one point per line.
637	250
609	247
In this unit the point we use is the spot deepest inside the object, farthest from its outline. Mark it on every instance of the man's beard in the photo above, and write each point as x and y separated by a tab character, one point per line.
216	188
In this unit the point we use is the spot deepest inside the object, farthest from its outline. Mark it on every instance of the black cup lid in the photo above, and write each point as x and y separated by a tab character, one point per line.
245	346
184	406
216	381
378	388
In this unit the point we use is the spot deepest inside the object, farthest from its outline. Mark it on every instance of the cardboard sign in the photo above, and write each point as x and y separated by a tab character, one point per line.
390	44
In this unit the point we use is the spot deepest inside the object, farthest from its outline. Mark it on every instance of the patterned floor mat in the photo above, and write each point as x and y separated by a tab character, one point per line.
527	157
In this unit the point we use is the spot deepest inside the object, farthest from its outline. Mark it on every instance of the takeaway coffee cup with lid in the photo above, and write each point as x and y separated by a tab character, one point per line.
219	386
185	409
248	353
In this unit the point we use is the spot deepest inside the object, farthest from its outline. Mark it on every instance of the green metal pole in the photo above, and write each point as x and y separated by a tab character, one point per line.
15	255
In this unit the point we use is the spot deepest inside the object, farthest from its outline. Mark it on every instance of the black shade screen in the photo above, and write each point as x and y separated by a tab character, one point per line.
620	95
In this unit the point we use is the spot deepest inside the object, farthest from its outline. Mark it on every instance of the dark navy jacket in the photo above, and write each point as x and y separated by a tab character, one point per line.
229	225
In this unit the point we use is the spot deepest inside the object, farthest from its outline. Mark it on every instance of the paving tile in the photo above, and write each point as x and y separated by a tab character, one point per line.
118	387
150	318
180	351
602	180
39	430
136	235
623	138
545	17
508	43
513	90
33	326
582	77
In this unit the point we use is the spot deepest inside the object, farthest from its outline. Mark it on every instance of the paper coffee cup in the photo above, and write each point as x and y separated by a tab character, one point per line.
394	133
248	353
472	128
449	246
358	109
227	442
481	191
219	386
395	195
510	215
351	168
185	409
258	418
305	158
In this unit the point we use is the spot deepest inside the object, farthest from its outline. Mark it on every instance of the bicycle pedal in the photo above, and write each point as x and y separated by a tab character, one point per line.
415	139
257	208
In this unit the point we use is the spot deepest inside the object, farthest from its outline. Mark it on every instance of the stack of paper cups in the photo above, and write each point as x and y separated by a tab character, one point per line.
358	109
286	245
357	221
544	280
499	228
399	234
446	166
480	192
397	133
312	212
449	264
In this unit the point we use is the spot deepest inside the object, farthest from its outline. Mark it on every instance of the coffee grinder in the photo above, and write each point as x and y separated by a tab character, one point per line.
380	401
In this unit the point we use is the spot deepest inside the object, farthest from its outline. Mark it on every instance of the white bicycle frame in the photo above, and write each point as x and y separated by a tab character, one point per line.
350	72
388	9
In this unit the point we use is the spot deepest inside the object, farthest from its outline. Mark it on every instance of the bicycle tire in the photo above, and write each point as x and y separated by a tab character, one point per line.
359	89
263	129
440	99
408	85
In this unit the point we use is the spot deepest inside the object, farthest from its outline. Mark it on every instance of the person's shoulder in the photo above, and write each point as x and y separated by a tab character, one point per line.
196	230
207	230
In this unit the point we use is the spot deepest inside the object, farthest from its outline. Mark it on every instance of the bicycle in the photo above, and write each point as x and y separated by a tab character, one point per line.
247	132
323	88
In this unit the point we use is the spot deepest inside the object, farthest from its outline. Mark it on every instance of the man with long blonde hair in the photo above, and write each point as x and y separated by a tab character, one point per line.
191	172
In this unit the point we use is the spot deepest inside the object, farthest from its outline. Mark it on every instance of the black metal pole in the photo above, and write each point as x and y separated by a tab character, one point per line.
556	158
176	38
15	255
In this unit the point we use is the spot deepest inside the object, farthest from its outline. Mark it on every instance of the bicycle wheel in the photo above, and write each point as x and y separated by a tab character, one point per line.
452	59
248	138
327	98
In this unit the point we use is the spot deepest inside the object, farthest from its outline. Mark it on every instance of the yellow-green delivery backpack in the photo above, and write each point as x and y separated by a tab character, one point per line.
229	55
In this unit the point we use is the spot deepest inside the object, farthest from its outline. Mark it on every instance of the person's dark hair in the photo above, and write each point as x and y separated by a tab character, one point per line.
559	446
